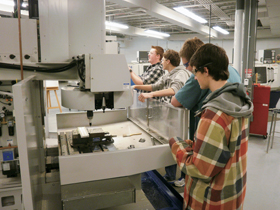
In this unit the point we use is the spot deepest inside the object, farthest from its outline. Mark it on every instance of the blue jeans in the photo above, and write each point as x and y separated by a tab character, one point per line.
171	172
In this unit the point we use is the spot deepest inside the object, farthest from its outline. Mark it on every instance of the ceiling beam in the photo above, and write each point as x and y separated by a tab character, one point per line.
162	12
131	31
273	8
261	34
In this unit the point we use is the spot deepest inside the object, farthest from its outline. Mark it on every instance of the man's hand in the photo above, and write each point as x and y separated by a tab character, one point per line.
143	96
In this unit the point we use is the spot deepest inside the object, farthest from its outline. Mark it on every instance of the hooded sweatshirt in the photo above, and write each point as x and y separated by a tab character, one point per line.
216	163
174	79
230	99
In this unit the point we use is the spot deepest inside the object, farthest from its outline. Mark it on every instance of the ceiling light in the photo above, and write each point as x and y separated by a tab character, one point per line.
24	4
189	14
117	25
157	33
218	28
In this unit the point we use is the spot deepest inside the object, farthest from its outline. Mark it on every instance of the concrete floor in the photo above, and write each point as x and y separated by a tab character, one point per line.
263	169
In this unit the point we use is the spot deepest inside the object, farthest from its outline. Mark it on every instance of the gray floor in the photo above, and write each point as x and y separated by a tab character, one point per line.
263	168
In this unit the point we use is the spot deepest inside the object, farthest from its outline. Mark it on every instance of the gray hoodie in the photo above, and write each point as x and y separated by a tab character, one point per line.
230	99
174	79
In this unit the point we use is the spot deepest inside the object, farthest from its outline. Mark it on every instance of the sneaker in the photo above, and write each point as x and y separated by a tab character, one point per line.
168	179
180	182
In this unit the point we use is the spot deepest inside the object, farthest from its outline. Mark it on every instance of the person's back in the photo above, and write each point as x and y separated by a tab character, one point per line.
190	95
233	75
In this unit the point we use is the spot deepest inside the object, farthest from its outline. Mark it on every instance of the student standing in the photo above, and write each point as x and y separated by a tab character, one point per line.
215	164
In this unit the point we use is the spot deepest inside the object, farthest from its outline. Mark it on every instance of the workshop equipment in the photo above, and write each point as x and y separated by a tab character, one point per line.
261	99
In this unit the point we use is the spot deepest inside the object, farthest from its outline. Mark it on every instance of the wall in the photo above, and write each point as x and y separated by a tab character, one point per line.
128	47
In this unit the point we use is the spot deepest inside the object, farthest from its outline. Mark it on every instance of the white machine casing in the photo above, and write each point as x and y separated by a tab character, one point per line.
104	73
271	74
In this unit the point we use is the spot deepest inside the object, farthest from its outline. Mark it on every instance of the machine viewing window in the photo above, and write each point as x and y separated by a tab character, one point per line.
262	78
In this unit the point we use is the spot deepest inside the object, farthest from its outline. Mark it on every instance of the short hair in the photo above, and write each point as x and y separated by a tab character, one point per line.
214	58
159	51
173	56
189	48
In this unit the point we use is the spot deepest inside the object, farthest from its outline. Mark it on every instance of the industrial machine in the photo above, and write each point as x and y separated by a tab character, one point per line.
267	74
139	68
142	56
90	162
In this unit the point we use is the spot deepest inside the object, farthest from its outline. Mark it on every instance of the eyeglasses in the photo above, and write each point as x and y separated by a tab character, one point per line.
196	70
186	64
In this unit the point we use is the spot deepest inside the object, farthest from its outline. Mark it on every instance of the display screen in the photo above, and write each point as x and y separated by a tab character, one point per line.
143	56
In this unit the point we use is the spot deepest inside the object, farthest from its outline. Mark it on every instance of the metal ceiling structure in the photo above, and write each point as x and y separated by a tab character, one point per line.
159	15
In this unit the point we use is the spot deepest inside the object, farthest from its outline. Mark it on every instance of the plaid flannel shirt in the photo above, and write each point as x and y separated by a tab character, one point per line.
216	163
152	75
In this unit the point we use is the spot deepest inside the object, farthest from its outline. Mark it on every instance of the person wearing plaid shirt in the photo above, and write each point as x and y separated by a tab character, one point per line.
153	72
215	164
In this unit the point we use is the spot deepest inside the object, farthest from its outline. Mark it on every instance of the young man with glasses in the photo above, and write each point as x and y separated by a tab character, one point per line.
215	163
191	96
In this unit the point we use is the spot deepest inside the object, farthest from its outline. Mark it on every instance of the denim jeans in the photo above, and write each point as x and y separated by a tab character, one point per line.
171	172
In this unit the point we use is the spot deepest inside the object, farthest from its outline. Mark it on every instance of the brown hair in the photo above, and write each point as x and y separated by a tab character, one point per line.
214	58
173	56
159	51
189	47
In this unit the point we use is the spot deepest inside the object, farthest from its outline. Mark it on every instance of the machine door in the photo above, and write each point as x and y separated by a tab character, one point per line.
28	122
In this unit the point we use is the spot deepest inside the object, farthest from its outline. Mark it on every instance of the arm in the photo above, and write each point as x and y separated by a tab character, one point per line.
210	153
136	79
143	87
160	93
177	85
175	102
189	95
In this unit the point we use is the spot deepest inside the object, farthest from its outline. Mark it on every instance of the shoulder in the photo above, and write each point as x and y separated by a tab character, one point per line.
191	85
233	75
217	116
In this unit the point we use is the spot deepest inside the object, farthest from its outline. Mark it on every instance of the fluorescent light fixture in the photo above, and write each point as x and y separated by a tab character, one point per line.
189	14
24	4
218	28
117	25
152	32
148	35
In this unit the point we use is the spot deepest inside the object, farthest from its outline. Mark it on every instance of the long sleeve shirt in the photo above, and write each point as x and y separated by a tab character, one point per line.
174	79
216	163
152	74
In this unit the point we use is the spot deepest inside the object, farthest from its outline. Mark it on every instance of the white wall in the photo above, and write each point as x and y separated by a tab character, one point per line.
128	47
